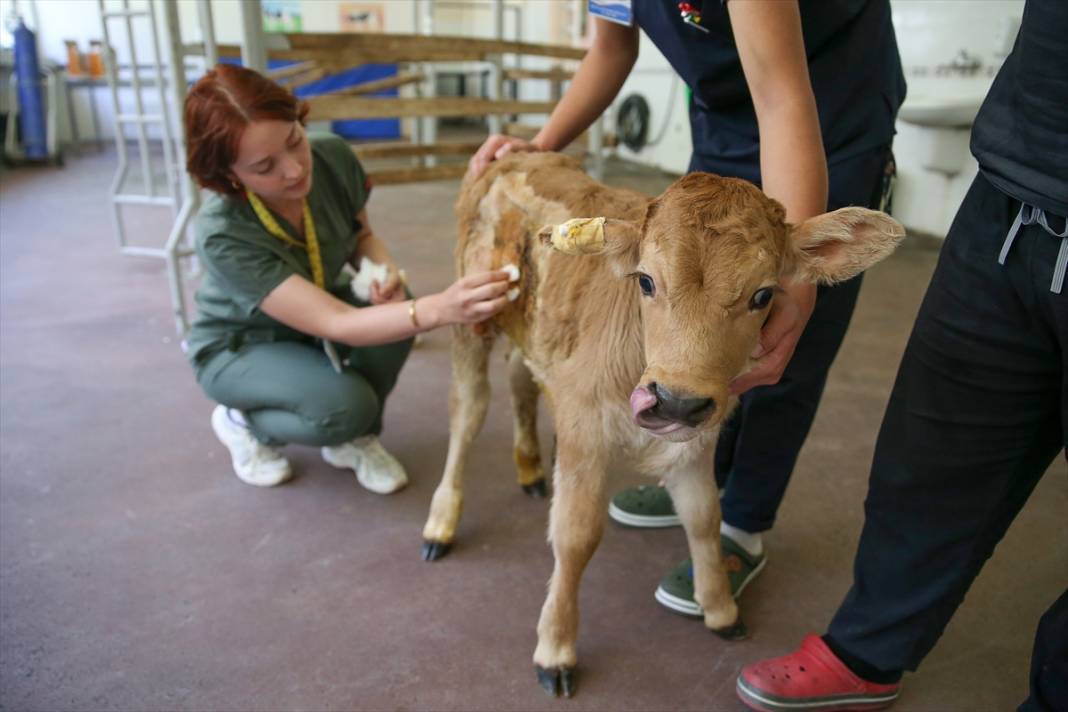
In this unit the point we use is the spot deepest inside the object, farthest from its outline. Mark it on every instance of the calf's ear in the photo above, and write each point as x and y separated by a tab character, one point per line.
837	246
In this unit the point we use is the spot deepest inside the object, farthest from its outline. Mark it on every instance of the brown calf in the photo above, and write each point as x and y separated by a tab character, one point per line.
633	326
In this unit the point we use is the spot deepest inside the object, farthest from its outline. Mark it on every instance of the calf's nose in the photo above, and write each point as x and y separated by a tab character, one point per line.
691	411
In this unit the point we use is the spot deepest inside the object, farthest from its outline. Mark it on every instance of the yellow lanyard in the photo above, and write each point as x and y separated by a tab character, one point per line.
311	246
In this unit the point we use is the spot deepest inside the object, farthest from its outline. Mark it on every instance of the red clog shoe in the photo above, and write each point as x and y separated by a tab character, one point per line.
811	679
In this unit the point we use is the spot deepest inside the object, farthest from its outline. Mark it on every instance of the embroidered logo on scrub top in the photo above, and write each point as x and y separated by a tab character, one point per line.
691	15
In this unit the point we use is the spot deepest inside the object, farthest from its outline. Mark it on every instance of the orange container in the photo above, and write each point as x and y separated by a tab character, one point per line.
96	58
74	59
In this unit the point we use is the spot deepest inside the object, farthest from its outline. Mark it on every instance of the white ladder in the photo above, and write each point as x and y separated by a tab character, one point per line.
179	193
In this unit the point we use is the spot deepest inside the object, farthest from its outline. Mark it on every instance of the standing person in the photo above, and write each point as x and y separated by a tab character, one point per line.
279	340
977	414
784	93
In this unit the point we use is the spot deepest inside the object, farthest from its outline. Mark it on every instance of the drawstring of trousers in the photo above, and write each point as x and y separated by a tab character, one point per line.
1030	215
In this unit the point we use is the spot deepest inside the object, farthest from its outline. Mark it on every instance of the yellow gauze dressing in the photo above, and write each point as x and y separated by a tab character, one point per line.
581	236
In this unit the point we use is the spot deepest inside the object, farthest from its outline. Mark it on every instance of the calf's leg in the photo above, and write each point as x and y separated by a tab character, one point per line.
693	492
576	522
527	453
468	400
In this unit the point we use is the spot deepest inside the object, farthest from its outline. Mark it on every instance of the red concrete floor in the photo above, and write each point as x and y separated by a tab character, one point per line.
136	572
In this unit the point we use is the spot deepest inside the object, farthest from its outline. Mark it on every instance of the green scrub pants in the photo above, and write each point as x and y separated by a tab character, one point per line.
290	393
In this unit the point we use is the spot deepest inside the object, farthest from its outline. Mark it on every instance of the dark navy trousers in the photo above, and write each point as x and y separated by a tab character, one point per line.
978	412
753	470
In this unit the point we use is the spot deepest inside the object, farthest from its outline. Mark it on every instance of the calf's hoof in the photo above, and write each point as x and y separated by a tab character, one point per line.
735	631
537	489
557	681
434	550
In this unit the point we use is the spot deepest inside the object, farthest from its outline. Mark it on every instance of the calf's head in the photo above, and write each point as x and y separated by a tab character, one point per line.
706	263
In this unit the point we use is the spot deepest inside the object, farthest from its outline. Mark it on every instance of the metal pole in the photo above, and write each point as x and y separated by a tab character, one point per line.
428	133
517	60
577	10
174	270
596	147
176	82
95	115
169	148
253	47
75	139
496	75
190	193
207	32
417	124
120	134
596	133
139	108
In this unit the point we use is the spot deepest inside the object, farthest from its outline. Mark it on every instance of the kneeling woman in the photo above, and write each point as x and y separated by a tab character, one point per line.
279	340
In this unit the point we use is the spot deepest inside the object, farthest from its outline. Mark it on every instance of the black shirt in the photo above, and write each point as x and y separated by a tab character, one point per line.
1020	137
853	63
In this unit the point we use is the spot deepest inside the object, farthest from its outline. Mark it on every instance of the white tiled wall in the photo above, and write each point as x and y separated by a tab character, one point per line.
930	34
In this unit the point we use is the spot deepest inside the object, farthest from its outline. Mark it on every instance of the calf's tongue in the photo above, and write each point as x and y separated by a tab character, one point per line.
641	400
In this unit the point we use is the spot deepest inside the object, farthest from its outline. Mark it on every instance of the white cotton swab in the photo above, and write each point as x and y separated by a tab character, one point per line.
513	276
370	272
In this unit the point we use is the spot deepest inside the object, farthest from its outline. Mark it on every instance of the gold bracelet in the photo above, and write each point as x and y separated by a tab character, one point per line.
411	314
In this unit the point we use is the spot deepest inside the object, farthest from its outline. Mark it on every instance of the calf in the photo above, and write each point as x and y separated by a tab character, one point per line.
633	324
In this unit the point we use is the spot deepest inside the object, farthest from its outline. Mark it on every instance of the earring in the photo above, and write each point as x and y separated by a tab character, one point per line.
235	184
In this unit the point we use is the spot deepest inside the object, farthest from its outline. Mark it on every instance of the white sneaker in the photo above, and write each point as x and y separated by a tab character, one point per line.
254	463
375	468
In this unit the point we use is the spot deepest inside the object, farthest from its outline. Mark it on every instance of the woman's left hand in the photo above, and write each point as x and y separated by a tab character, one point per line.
392	290
790	312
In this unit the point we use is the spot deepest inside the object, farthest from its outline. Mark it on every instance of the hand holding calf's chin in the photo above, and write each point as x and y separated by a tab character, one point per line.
789	315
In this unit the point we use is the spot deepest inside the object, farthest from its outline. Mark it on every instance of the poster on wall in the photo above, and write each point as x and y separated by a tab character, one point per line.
361	17
282	16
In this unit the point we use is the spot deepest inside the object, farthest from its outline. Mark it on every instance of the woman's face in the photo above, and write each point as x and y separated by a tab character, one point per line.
274	160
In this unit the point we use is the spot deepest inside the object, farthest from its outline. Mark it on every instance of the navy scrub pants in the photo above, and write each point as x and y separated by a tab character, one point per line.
753	470
977	414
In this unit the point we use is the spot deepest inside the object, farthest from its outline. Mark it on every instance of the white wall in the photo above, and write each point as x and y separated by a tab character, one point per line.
654	79
930	32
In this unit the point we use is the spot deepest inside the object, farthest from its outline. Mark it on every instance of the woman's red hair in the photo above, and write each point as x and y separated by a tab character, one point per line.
218	108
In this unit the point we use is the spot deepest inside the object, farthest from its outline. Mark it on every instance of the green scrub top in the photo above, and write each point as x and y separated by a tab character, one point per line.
243	262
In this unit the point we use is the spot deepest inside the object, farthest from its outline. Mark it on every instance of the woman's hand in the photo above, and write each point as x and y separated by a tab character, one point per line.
471	299
790	312
494	148
392	290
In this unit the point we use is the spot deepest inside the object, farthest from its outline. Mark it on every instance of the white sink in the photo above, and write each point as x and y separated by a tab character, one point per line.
948	103
946	111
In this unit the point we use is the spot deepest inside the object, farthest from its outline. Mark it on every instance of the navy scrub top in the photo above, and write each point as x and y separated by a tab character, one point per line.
1020	137
853	63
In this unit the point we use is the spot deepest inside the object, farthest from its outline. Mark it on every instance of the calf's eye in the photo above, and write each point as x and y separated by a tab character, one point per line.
761	298
645	283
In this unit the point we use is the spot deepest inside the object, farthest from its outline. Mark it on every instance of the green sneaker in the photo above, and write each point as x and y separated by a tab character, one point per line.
676	588
645	506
